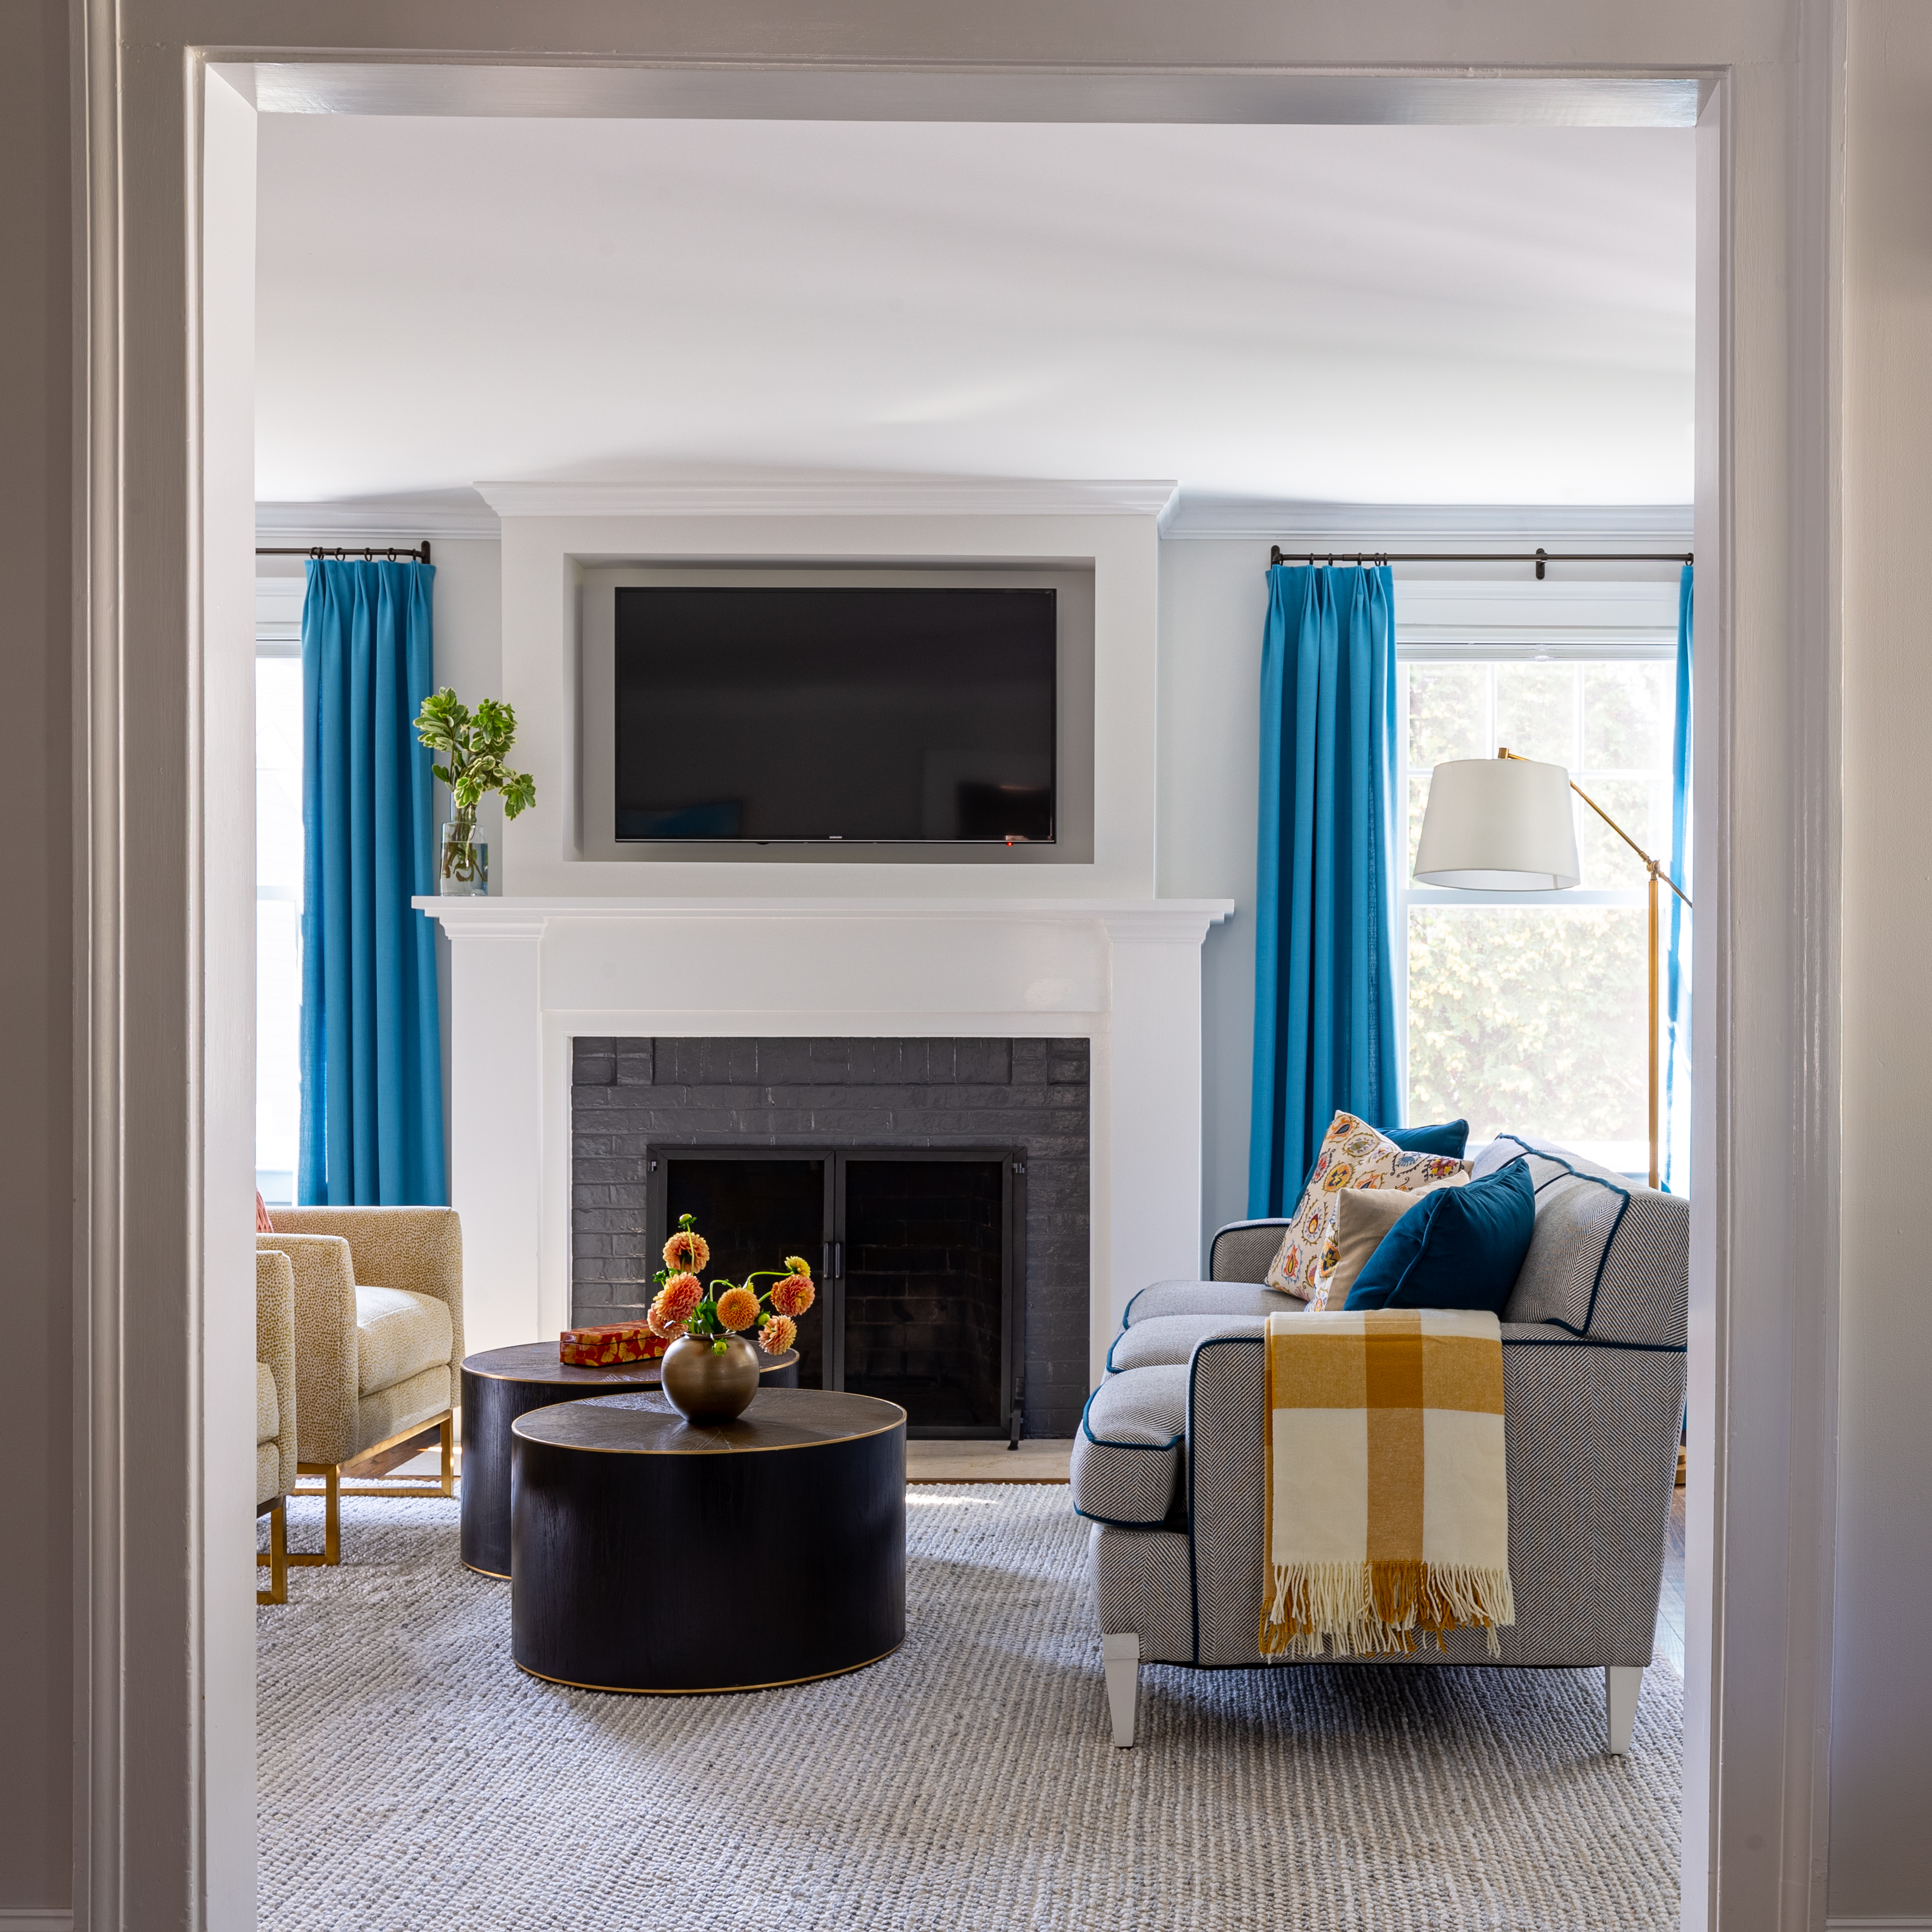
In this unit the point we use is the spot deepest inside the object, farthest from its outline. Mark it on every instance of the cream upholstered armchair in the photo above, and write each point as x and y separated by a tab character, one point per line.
378	1338
274	1413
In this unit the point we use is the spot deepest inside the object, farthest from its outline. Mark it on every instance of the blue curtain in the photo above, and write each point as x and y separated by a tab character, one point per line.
371	1051
1325	989
1676	1124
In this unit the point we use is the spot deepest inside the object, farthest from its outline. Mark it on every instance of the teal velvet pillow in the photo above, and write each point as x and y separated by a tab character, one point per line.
1447	1137
1459	1247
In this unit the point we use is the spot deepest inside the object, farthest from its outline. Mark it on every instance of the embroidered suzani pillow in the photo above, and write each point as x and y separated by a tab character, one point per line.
1354	1154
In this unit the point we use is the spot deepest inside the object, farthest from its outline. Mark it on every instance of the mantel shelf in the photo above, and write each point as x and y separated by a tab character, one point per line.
507	918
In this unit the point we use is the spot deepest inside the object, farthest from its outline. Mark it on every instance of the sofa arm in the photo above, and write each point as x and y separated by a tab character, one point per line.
1590	1433
326	1382
1243	1249
419	1249
275	1345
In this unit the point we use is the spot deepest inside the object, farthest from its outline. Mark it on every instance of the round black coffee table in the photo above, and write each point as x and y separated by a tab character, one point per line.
652	1555
500	1384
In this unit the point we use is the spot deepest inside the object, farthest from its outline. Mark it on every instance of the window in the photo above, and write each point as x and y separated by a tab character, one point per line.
1528	1010
278	885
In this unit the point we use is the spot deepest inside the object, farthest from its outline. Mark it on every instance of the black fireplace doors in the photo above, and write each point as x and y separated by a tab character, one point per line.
916	1255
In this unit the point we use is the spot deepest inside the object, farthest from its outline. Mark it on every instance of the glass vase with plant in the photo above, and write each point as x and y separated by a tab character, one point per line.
710	1371
473	745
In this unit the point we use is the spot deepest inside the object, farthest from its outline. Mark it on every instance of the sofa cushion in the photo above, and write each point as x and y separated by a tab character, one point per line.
398	1334
267	1410
1206	1297
1127	1457
1609	1258
1548	1161
1165	1339
1459	1249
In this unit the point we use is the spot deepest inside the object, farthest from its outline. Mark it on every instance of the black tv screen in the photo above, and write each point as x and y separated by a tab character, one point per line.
764	714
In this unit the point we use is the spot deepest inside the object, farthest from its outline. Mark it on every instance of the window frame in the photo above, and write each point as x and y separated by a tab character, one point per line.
278	602
1661	647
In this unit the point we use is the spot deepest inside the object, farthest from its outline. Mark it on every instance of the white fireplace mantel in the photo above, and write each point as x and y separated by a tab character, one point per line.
529	975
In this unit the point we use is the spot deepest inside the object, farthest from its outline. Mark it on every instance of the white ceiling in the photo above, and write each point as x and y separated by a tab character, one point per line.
1384	314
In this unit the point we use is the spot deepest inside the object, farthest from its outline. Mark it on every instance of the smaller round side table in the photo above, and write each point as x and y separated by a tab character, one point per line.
500	1384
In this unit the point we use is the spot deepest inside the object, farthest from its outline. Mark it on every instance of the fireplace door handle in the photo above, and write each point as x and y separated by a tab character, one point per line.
833	1266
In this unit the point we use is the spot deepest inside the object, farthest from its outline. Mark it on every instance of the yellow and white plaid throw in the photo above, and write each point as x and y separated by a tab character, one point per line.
1387	1497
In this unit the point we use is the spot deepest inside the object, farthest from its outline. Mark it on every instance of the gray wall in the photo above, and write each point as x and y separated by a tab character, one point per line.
1214	602
35	1037
1881	1809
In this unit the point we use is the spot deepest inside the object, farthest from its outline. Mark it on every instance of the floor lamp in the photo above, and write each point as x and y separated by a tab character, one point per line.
1505	825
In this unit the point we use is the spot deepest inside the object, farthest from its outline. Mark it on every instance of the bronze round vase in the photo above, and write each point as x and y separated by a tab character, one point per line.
705	1385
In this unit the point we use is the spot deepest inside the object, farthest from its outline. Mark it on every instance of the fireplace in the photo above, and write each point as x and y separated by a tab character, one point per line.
939	1188
915	1257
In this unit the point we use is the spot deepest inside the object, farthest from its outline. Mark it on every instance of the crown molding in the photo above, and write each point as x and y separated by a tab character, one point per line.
444	515
1354	526
836	497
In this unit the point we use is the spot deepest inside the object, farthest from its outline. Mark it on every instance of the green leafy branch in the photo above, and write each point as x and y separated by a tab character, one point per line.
473	746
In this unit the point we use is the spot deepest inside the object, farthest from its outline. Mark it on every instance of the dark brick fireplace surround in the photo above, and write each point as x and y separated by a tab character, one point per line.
1030	1095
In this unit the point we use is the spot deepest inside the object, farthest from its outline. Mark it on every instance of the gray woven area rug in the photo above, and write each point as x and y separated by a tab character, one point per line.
412	1778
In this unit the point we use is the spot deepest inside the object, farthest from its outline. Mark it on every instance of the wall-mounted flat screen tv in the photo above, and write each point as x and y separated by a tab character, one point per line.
769	715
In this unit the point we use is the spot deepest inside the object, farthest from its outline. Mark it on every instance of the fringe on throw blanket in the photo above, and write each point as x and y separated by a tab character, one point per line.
1376	1610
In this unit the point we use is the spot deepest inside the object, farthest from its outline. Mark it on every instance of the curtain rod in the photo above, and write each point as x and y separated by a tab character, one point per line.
369	552
1277	555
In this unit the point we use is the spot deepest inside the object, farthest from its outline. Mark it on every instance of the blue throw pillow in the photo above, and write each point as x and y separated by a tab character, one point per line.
1447	1137
1459	1247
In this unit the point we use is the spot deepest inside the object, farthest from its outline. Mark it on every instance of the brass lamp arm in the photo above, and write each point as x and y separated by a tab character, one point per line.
1652	865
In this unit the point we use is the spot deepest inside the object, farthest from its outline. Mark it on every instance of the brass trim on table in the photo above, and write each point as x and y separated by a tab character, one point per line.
770	1449
709	1690
495	1576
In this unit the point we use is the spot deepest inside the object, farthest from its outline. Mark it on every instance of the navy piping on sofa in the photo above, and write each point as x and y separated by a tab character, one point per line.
1609	1240
1108	1442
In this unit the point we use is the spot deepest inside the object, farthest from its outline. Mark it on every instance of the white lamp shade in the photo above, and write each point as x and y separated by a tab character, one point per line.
1498	825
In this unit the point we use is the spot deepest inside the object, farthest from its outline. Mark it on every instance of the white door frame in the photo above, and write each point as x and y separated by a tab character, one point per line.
161	1822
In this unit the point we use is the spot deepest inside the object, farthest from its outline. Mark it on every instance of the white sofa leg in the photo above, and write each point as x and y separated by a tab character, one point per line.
1122	1655
1621	1683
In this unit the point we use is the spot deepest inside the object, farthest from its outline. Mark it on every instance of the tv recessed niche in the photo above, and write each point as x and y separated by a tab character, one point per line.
925	714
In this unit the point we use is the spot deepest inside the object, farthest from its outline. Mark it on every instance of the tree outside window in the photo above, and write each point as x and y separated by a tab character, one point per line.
1527	1011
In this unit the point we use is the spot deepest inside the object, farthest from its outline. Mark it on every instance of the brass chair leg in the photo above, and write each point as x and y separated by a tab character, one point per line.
277	1557
330	1554
449	1455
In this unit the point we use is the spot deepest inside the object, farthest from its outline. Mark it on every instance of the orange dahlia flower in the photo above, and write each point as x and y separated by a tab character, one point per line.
798	1265
793	1295
688	1249
676	1302
737	1308
779	1333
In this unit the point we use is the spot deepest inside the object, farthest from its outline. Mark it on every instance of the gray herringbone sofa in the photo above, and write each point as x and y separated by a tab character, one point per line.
1168	1464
